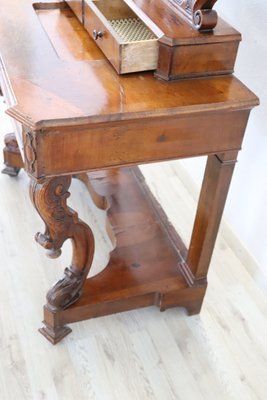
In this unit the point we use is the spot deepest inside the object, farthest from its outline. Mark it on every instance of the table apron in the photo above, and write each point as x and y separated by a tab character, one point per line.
82	148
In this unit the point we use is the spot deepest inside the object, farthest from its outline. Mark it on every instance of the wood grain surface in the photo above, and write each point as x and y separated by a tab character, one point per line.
139	354
127	124
95	91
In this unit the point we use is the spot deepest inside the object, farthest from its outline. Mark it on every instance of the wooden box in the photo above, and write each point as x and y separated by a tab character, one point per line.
173	43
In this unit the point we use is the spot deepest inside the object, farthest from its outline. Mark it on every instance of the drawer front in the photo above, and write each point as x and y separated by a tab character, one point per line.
95	22
139	141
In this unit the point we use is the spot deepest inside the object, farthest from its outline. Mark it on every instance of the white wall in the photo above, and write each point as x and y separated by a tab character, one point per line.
246	208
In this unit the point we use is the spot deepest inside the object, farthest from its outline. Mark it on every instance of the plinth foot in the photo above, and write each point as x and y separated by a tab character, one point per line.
194	308
54	334
12	158
11	171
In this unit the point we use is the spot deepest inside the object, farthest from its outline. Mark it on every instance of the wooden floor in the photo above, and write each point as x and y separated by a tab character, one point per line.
137	355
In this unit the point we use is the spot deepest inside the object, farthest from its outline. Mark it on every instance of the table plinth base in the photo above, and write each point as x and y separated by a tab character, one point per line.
12	158
145	265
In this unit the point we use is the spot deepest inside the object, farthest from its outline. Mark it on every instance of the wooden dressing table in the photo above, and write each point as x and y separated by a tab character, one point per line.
75	116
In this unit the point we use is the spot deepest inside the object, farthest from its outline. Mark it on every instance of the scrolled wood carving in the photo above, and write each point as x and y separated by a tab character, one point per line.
29	151
61	223
198	12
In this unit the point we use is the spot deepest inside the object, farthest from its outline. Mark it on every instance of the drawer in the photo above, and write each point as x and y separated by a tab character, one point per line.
126	41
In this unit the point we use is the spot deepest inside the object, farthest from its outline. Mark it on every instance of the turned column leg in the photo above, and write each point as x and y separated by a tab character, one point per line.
61	223
12	157
216	183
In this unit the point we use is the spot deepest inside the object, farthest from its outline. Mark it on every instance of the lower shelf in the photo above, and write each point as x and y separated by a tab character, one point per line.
145	266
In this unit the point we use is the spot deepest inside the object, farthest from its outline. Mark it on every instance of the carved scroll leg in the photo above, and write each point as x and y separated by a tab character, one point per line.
216	183
12	157
50	200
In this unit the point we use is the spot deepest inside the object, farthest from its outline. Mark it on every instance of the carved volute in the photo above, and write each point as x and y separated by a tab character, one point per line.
198	12
61	222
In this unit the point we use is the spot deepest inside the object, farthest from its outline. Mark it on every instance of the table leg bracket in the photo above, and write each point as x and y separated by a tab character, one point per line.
145	267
